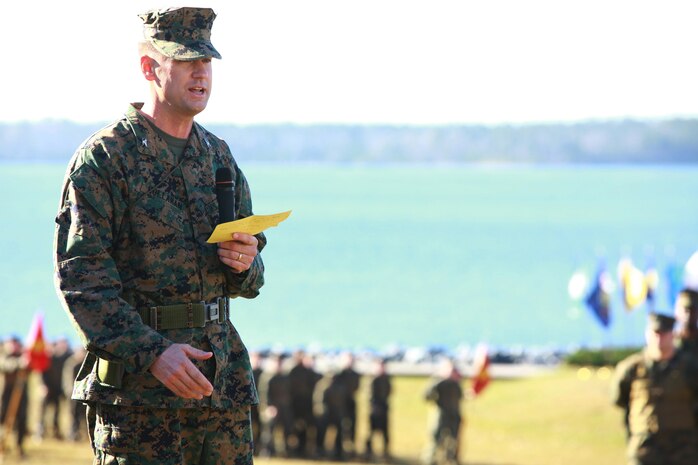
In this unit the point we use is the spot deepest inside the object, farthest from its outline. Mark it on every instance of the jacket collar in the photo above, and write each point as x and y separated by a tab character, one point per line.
149	142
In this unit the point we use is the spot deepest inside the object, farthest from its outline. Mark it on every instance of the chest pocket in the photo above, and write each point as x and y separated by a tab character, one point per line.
159	215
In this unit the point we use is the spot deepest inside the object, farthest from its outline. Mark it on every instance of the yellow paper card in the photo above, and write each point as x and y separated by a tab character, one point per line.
254	224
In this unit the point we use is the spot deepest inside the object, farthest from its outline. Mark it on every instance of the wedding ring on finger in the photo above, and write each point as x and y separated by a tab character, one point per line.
239	256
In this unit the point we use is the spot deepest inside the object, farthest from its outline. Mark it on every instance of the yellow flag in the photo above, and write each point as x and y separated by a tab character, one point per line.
634	288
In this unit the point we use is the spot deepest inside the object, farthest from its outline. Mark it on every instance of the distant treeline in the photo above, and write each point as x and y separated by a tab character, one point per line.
626	141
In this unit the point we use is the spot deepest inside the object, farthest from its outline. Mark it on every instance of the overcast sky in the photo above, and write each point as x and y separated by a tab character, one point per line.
369	61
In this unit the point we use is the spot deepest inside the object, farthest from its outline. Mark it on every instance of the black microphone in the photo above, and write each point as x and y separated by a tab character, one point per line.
225	195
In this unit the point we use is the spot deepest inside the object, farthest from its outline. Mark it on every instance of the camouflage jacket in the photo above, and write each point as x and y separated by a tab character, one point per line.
447	394
131	233
657	396
381	386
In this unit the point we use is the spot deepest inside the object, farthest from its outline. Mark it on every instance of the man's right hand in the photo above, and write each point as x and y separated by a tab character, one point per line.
174	369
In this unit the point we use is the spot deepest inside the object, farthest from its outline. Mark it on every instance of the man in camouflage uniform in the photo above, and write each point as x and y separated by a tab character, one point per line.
686	312
658	388
351	380
53	393
167	378
275	396
447	394
14	402
330	400
381	388
302	381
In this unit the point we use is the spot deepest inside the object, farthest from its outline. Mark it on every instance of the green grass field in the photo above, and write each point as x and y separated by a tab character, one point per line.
563	417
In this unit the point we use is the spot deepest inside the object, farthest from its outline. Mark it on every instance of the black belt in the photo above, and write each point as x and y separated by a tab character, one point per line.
192	315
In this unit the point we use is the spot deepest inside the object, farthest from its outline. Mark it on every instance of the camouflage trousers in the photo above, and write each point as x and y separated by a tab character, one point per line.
147	436
444	444
668	448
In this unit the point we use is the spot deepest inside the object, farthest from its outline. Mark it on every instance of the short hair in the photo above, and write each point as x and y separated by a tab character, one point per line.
145	47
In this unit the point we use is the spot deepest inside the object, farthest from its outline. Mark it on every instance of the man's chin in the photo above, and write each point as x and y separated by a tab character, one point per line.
197	106
196	109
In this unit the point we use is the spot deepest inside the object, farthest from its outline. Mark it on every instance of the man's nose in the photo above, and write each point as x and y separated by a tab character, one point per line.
201	68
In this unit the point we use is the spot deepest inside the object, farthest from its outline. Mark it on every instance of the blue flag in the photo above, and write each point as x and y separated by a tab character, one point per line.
599	298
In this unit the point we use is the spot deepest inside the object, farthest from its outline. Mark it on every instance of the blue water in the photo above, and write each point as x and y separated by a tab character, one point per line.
408	255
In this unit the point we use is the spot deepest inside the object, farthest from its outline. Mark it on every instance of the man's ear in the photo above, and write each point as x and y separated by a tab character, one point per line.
148	65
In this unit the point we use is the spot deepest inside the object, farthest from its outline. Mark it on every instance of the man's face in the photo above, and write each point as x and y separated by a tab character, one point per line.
660	343
12	346
183	87
685	316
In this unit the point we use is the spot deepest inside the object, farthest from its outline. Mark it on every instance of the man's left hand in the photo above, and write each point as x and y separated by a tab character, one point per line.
238	253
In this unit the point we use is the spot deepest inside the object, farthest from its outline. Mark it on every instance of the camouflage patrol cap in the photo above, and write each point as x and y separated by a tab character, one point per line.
660	322
181	33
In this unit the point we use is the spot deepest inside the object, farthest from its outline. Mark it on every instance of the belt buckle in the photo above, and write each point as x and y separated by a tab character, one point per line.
154	317
224	306
213	311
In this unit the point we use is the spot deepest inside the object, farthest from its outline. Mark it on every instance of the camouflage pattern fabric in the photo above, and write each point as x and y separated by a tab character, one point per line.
687	341
181	33
145	436
302	382
674	448
447	394
275	392
351	380
658	400
381	387
131	232
332	396
11	366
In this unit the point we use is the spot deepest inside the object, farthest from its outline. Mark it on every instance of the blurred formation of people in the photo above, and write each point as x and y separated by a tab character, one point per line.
13	409
657	389
306	413
275	409
446	392
52	389
51	395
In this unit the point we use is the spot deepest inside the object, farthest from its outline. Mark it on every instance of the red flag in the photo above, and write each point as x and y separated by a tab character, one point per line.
39	358
481	370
